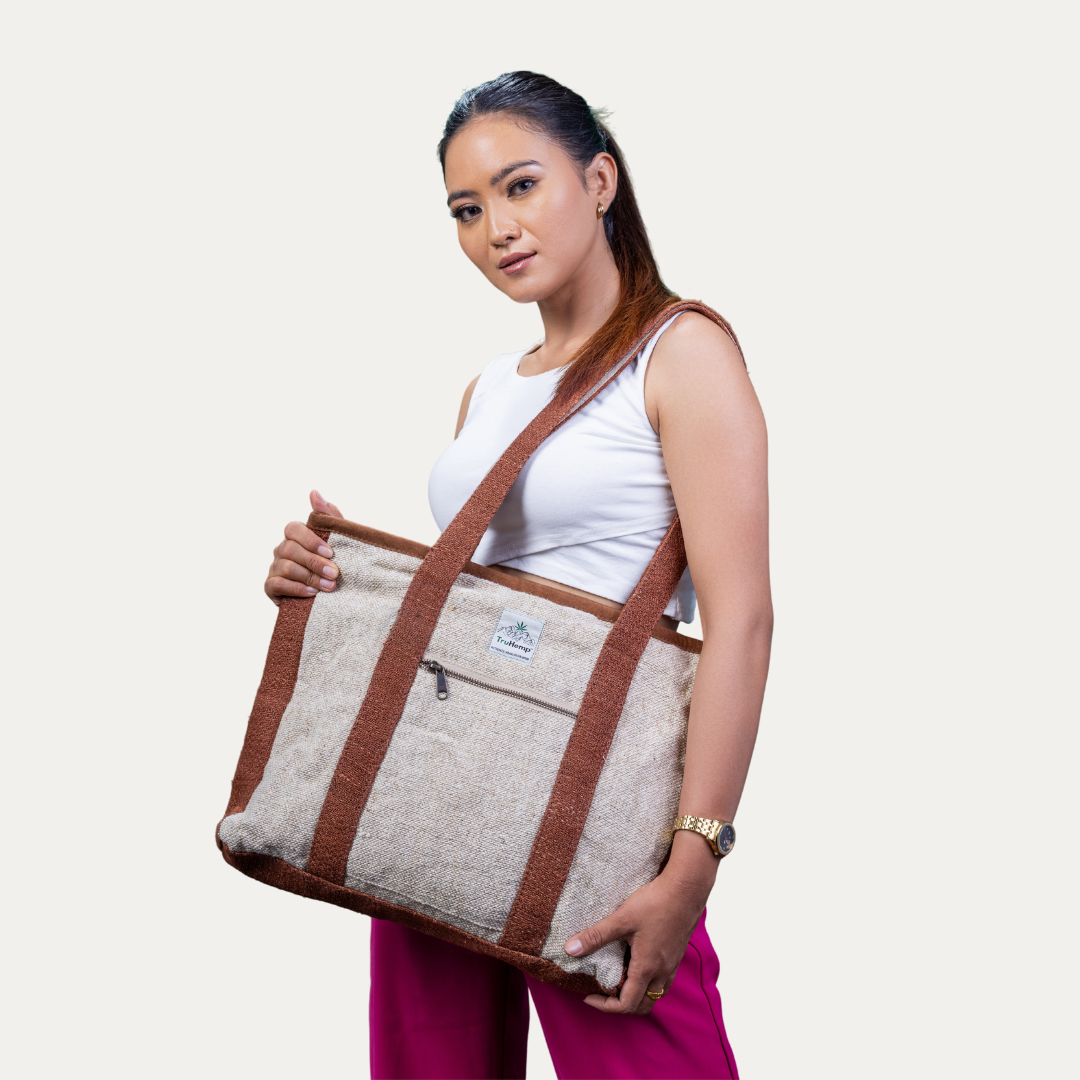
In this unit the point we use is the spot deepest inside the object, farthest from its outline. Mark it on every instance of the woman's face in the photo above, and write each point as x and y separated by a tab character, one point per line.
524	216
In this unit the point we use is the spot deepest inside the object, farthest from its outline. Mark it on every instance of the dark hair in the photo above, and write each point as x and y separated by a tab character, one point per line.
543	105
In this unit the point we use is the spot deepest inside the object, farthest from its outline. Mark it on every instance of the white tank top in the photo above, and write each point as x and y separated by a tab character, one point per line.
593	502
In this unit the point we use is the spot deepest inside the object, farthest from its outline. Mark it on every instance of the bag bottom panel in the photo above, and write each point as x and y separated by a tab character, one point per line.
282	875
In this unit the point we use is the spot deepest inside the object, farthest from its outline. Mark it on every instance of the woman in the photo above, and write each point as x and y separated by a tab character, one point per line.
544	208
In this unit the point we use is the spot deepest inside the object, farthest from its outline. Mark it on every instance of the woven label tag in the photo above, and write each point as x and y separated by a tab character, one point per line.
516	636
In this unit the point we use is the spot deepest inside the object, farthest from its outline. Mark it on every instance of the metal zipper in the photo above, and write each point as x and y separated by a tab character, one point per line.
442	691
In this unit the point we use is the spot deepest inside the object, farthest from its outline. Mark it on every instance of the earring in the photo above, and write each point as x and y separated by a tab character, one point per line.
599	210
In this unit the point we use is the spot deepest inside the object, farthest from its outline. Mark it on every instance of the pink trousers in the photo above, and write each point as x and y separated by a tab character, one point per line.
439	1012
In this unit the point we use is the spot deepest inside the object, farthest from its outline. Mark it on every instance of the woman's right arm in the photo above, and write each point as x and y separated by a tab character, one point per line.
302	563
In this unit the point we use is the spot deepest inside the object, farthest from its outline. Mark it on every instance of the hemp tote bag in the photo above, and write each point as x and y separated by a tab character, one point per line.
486	759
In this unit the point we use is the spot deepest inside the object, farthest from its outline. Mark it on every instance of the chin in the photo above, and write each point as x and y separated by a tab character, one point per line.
525	292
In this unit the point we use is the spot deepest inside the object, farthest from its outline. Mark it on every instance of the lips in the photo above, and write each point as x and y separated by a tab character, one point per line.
516	261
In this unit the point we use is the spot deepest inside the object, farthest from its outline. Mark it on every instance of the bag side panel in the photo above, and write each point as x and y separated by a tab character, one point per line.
344	634
273	697
628	831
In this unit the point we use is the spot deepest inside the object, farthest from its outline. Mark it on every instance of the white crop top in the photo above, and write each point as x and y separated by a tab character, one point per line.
593	502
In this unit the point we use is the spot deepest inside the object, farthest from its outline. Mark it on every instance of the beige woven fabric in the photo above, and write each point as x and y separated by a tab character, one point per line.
633	809
452	815
344	634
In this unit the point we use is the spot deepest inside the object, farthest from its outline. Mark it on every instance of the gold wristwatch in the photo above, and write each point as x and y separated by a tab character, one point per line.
720	834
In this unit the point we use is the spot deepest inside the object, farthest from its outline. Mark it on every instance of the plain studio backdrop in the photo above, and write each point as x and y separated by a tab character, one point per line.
229	276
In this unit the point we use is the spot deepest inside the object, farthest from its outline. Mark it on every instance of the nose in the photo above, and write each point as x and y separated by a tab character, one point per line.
502	231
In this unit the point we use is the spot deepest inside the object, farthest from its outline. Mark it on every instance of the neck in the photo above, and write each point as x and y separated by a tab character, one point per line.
575	311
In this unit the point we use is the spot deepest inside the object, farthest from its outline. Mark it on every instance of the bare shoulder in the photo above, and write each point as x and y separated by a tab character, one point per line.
464	410
692	340
696	369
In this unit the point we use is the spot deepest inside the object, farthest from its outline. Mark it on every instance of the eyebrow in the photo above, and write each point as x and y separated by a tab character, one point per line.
502	174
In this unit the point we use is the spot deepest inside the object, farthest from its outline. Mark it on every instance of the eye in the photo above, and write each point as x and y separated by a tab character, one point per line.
465	213
519	187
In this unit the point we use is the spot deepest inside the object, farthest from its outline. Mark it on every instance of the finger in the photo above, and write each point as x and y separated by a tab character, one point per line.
596	937
311	541
615	1005
321	506
289	551
631	998
293	571
660	985
277	587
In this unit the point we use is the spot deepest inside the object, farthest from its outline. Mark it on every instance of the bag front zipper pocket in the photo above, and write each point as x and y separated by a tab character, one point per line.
443	675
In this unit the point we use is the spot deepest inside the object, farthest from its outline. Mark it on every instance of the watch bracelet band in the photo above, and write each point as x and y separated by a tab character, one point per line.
707	827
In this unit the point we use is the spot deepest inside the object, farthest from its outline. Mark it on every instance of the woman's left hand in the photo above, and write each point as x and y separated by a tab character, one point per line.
656	922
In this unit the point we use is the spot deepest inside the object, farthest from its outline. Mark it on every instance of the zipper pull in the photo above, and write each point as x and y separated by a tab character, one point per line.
441	691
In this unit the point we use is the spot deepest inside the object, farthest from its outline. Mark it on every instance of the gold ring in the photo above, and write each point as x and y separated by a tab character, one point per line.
656	995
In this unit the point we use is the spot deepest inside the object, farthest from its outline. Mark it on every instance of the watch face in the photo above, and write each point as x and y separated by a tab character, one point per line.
725	839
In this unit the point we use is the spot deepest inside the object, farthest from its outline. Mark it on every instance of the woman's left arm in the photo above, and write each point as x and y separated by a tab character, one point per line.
700	401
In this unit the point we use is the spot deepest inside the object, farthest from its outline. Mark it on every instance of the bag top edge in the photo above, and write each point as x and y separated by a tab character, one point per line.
389	542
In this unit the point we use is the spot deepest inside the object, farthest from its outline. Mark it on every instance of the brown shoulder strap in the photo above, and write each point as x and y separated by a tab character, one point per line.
404	647
556	842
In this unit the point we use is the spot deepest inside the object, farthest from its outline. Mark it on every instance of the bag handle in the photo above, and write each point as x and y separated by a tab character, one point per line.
404	647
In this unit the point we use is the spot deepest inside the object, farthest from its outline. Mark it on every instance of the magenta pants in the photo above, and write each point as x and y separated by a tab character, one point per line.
440	1012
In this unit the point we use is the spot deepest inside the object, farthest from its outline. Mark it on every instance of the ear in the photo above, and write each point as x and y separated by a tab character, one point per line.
602	178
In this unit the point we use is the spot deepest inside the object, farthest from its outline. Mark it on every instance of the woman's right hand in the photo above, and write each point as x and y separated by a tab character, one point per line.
302	565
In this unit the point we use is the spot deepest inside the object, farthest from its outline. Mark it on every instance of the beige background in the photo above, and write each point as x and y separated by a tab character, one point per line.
228	275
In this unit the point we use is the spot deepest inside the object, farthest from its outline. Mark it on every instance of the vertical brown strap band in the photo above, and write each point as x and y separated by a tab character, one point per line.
404	647
556	842
273	696
275	690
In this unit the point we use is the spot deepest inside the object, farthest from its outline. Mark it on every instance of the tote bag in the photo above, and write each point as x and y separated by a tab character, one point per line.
486	759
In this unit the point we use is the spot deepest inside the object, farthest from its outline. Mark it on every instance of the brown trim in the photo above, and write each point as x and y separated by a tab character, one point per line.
368	536
273	696
673	637
282	875
511	581
395	670
555	845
